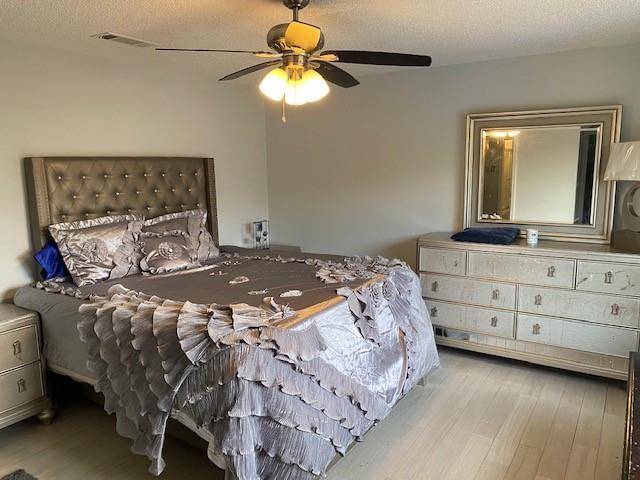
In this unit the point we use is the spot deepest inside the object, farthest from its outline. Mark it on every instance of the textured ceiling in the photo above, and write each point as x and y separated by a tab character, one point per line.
452	31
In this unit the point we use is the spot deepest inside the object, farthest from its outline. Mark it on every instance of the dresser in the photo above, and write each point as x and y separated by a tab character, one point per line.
23	388
562	304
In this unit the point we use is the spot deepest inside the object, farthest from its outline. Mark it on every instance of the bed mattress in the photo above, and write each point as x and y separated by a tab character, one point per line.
67	354
61	345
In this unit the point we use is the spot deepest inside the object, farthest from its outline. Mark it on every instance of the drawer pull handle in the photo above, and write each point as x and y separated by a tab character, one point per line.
538	300
615	309
608	277
494	321
495	295
434	312
434	287
536	329
17	348
22	385
551	272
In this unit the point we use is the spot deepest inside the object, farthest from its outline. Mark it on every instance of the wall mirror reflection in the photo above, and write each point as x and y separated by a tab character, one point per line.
542	169
540	174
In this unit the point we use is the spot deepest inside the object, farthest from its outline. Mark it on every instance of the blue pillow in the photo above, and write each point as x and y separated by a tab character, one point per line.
51	261
498	236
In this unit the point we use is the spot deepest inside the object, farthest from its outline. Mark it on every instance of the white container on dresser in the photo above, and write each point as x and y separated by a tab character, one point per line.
23	388
562	304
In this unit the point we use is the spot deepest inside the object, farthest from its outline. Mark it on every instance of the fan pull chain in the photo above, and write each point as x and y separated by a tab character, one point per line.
284	112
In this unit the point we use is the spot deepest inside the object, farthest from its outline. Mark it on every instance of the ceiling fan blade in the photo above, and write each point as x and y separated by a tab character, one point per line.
336	75
250	52
251	69
303	35
324	58
380	58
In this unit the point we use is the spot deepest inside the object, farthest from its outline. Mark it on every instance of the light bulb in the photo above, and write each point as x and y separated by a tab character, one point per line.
274	84
314	86
295	93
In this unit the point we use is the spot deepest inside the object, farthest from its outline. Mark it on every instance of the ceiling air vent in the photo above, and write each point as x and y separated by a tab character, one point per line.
116	37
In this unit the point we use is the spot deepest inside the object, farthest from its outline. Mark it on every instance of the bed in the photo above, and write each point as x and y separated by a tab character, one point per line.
279	361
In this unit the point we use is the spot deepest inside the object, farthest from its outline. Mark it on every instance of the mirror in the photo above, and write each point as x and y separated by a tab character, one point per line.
542	169
539	174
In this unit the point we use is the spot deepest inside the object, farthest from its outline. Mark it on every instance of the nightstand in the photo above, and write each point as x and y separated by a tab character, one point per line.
23	387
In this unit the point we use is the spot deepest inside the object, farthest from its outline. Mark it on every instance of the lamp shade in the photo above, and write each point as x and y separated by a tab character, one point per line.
295	93
624	162
315	87
274	84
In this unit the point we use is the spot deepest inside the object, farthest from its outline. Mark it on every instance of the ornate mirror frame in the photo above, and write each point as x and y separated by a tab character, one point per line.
607	117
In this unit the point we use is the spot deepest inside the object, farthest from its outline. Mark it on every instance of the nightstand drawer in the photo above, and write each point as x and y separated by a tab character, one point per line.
18	347
20	386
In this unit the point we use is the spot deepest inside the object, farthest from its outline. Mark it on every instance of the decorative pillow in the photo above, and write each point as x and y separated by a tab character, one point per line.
191	227
50	260
166	252
99	249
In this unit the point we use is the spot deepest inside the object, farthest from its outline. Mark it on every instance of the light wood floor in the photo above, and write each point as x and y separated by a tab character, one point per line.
477	418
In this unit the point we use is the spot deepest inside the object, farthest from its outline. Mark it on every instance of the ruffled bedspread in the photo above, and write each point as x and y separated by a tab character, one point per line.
279	396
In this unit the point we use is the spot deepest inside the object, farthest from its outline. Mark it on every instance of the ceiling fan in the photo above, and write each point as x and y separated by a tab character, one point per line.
301	73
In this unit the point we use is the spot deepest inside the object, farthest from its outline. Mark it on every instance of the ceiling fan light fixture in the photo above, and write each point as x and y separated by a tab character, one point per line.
314	86
301	69
297	88
274	84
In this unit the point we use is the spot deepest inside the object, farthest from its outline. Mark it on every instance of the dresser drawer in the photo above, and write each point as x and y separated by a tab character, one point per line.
441	260
608	278
472	319
553	272
18	347
577	335
467	290
591	307
20	386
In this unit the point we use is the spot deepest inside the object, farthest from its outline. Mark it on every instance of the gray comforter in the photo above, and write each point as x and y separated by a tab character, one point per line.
282	362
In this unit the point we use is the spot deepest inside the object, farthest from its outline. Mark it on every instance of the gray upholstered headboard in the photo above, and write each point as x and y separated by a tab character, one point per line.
65	189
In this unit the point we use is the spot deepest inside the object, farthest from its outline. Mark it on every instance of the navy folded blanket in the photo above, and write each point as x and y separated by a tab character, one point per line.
497	236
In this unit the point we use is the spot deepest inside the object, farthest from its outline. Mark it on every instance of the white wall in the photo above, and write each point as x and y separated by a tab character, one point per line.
366	171
54	103
371	168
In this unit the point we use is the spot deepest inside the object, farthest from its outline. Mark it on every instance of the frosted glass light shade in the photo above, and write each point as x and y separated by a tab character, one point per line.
315	87
274	84
295	93
624	162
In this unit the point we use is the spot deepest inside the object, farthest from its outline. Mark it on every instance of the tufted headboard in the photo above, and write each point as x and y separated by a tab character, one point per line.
65	189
